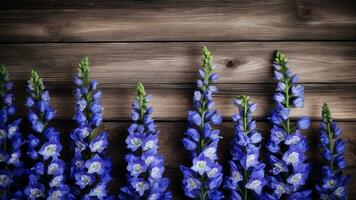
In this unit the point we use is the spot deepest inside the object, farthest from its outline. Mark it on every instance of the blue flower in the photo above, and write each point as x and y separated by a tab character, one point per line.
144	165
90	169
11	166
203	179
332	183
50	149
46	174
288	168
246	171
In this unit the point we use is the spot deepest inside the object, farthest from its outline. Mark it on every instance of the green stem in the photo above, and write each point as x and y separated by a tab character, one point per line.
246	132
331	146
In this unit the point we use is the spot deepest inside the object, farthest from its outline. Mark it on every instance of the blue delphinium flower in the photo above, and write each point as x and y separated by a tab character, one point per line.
247	176
203	178
332	184
90	170
11	167
144	165
288	168
46	174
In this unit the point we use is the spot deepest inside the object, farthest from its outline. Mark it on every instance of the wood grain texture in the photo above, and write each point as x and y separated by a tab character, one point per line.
175	154
178	21
172	102
239	62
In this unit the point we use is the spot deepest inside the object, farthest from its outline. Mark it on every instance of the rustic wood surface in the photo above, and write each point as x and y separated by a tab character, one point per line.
159	43
239	62
179	21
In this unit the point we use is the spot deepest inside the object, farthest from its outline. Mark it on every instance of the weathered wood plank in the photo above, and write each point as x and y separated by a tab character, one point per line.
170	144
172	102
180	21
239	62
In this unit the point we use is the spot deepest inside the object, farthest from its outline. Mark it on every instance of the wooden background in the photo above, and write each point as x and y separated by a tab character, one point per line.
159	43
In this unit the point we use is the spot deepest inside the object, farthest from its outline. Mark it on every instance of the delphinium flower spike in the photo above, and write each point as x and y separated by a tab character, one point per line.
203	179
287	146
144	165
90	170
247	176
46	174
11	168
332	184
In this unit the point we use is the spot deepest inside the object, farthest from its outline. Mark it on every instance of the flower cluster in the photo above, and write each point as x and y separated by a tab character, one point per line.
332	183
11	168
247	177
90	171
46	175
145	167
203	178
287	146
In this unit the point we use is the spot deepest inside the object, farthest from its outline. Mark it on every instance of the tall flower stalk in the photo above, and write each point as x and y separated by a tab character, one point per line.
203	178
11	168
144	165
90	170
247	176
46	174
332	184
289	169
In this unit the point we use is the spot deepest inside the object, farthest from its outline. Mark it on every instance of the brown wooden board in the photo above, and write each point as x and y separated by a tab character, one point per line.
239	62
177	21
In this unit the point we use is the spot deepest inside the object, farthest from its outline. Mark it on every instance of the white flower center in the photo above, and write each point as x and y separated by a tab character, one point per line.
293	157
278	167
50	149
191	183
56	195
212	172
136	142
85	179
331	183
210	152
280	189
156	173
250	159
137	168
296	178
53	168
254	184
97	191
56	181
295	139
149	160
201	165
94	167
35	193
279	135
339	191
149	145
236	175
97	145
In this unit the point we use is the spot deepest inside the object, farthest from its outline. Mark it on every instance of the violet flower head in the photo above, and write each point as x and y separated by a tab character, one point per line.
247	176
332	183
144	165
46	173
203	179
288	168
90	169
11	167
